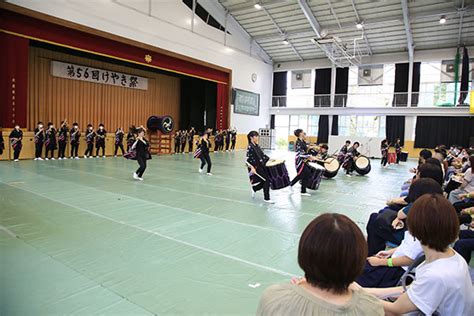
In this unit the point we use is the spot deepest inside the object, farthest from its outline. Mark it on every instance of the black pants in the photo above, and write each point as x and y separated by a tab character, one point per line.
233	145
350	166
384	161
265	185
142	165
117	146
465	245
216	146
16	152
377	235
183	146
304	177
227	144
176	147
100	146
190	146
62	149
74	149
206	159
48	150
90	148
38	150
380	276
398	157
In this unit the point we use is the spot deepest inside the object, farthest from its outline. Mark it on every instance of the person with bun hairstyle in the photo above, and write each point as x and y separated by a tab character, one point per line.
303	173
256	160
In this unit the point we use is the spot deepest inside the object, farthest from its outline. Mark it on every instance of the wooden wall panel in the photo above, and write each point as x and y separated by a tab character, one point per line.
52	99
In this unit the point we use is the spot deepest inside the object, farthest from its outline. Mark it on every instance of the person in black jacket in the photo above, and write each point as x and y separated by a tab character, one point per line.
90	137
384	151
256	161
2	144
39	141
205	158
16	137
50	142
233	139
303	172
62	140
141	146
177	142
100	141
119	133
349	163
130	137
191	134
74	136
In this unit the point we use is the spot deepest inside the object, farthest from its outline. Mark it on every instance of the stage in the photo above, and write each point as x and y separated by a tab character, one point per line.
83	237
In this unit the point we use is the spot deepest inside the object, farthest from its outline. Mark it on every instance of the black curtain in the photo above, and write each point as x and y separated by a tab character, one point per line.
434	130
323	129
322	87
335	125
395	128
401	84
342	84
197	97
464	77
279	89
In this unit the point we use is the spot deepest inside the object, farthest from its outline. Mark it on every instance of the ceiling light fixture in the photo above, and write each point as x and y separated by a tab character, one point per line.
442	19
257	6
285	42
360	25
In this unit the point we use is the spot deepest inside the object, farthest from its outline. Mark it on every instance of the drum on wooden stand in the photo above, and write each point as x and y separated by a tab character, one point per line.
278	174
317	172
331	166
362	165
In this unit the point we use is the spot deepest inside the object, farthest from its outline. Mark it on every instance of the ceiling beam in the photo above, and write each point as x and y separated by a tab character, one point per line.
406	22
369	49
334	13
367	23
282	33
310	17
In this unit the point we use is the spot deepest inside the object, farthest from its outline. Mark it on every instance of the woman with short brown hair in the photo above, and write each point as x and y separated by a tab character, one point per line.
443	283
332	253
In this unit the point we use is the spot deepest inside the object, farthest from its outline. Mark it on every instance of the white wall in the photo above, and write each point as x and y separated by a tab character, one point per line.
169	27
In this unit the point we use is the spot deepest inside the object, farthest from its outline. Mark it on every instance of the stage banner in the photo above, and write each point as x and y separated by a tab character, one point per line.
89	74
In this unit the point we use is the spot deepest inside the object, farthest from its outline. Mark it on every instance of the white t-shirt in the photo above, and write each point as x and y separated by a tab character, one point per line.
470	181
443	286
410	247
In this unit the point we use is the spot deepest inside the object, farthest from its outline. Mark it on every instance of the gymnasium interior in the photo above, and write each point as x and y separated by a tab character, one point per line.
91	237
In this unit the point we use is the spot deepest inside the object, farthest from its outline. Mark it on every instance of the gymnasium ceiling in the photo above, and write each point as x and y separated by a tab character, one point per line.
384	29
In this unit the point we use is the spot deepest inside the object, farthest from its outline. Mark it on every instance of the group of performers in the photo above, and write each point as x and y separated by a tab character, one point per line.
224	140
384	148
312	163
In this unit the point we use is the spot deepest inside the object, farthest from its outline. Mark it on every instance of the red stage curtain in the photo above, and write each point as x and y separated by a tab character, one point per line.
49	32
222	106
13	80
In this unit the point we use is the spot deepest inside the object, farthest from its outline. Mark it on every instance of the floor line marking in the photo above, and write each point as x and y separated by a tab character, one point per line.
217	253
150	203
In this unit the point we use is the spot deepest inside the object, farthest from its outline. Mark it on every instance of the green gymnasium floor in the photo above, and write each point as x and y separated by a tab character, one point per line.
82	237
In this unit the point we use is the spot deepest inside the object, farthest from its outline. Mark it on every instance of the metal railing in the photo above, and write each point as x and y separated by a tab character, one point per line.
383	99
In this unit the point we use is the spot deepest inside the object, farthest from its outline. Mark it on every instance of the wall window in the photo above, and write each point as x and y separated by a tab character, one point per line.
362	126
376	95
205	16
285	125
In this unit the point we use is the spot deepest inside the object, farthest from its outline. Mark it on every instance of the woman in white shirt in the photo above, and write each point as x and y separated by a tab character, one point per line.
443	283
467	185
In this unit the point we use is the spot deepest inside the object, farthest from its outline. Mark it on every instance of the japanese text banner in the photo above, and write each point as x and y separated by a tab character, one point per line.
85	73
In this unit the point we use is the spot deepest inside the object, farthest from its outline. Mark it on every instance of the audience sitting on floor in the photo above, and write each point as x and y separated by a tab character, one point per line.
332	252
466	186
443	284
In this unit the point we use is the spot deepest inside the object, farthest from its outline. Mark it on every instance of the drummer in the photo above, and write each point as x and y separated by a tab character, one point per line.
323	152
349	164
303	172
256	161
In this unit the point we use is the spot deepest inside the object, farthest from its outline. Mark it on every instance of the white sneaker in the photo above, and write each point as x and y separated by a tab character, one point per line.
96	156
103	156
140	179
35	159
59	158
115	156
253	193
305	194
200	170
135	176
40	158
77	158
85	157
16	160
209	174
269	201
348	175
53	158
46	158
